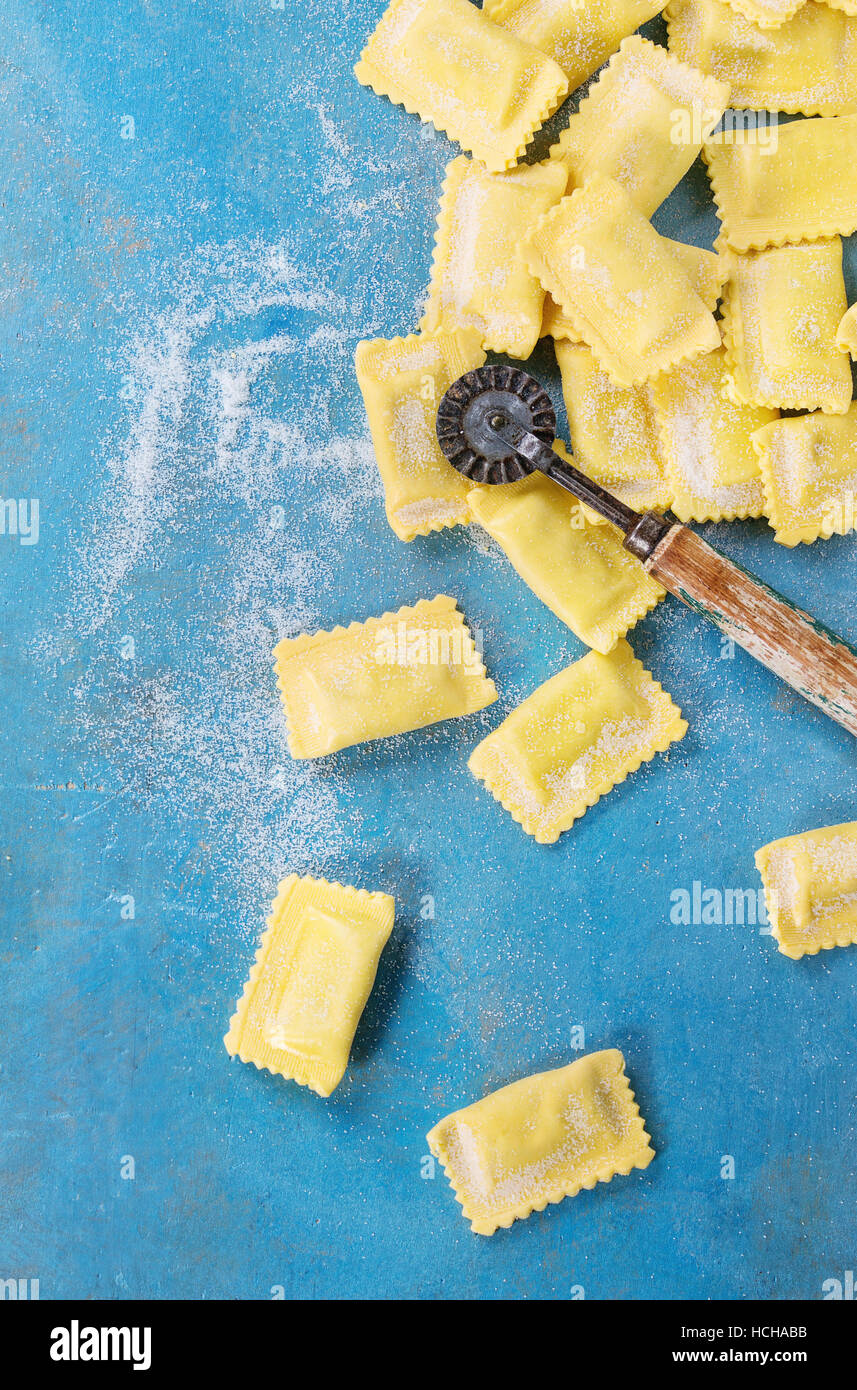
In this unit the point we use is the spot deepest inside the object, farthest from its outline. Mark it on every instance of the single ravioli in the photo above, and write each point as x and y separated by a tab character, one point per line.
615	278
614	435
807	65
706	271
403	381
642	123
542	1139
781	312
371	680
580	570
444	61
811	889
577	34
707	443
574	739
803	189
479	279
313	974
809	471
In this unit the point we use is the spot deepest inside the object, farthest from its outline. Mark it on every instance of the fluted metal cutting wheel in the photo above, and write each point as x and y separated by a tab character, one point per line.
464	422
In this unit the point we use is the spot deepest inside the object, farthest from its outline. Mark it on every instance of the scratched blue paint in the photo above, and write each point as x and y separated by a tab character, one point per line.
247	123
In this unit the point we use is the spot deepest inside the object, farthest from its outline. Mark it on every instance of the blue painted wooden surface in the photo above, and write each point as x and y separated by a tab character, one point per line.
203	213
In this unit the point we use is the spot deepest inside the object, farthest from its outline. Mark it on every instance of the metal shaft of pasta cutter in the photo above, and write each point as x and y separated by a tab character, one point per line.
643	531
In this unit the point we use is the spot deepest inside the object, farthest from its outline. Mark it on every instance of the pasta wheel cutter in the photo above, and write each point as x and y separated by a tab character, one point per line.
497	424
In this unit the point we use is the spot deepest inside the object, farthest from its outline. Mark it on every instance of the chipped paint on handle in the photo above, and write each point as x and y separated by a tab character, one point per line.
801	651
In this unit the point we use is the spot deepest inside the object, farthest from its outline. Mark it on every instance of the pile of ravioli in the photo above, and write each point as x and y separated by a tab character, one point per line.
669	406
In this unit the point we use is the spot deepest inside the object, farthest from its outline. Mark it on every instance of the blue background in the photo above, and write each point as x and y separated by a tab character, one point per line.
180	313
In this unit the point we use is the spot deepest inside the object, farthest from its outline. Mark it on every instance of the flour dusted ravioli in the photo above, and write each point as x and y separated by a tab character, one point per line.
846	333
372	680
479	279
627	296
577	34
542	1139
707	442
580	570
782	309
809	64
614	434
574	738
706	271
642	123
811	889
804	189
313	974
482	85
809	471
403	381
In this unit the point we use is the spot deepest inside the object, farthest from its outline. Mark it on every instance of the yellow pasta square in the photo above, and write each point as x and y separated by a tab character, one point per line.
642	123
804	189
706	271
707	443
811	889
446	62
574	738
403	381
371	680
542	1139
580	570
614	436
479	279
807	64
313	974
627	296
577	34
809	471
781	312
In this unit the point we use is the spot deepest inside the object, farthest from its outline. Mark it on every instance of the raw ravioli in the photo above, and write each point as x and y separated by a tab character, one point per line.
625	293
574	738
542	1139
446	62
403	380
313	974
781	311
479	279
809	471
811	889
371	680
579	569
706	442
642	123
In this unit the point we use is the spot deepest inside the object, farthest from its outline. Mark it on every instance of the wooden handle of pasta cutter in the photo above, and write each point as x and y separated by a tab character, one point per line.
813	661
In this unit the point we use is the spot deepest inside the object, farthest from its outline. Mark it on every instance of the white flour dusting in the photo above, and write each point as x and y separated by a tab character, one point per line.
211	437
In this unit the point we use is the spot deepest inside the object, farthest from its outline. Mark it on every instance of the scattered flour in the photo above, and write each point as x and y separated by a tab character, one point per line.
209	439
